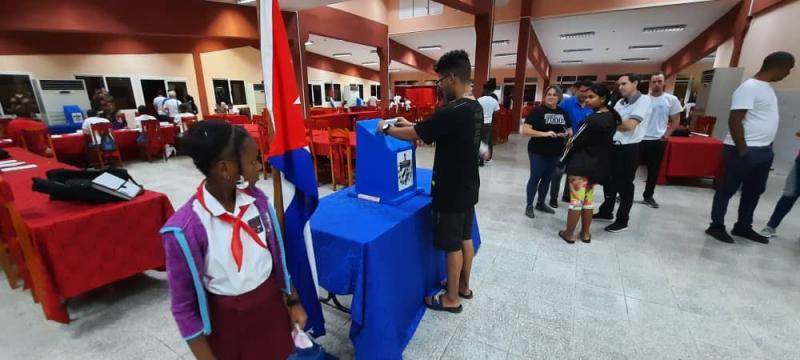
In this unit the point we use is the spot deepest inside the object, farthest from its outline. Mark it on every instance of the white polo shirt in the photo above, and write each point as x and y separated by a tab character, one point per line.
137	121
171	107
638	108
222	277
662	107
158	103
489	105
87	126
762	118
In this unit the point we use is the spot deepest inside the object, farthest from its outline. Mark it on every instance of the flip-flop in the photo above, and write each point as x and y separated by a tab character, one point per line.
563	237
469	296
587	240
435	304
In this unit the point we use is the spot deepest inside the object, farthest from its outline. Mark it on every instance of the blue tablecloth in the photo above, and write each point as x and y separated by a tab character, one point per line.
382	255
63	129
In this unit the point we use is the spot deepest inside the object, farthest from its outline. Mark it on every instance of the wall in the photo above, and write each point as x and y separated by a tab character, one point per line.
724	53
317	76
694	72
233	64
371	9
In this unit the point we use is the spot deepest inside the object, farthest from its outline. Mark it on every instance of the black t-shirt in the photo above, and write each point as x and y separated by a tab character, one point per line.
543	118
456	130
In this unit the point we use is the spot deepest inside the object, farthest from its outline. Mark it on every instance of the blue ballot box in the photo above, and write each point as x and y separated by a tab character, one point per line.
386	167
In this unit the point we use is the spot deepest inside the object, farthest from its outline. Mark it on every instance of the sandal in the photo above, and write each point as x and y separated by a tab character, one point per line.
587	240
565	238
469	296
435	303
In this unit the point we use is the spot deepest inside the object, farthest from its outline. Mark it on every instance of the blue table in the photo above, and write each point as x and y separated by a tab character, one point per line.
383	255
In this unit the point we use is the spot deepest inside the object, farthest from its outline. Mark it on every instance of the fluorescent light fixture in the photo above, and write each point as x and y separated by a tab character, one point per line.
577	35
635	59
394	70
571	61
501	42
577	50
644	47
339	55
665	28
505	55
242	2
309	43
429	48
373	51
511	64
371	63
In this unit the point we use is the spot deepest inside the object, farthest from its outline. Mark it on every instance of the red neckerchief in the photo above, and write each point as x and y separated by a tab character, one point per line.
238	224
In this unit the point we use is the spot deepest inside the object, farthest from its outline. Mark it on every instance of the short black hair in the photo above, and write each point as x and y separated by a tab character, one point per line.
632	77
778	59
603	92
583	83
183	108
658	73
141	109
91	113
454	62
210	141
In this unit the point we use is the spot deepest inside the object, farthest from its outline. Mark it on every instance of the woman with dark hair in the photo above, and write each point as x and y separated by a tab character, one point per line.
587	160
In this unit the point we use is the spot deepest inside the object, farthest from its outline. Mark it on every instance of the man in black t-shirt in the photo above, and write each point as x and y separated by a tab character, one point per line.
456	129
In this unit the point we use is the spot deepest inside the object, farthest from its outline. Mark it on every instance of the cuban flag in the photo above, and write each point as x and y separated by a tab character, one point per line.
288	153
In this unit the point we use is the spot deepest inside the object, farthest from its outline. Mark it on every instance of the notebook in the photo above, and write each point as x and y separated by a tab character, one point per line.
116	186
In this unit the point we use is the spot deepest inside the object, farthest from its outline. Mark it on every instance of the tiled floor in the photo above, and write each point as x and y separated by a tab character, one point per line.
662	290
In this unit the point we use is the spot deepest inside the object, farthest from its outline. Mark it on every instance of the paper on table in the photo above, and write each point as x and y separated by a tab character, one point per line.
8	161
11	164
23	167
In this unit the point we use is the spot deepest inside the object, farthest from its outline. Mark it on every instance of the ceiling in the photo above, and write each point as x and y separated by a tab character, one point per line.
360	54
608	46
289	5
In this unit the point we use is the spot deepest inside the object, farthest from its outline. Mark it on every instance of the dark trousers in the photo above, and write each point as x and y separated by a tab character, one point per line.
541	171
555	184
651	152
624	160
486	136
750	173
790	194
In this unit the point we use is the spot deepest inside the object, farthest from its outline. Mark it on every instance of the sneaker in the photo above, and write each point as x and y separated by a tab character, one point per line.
601	216
652	202
553	203
749	233
718	232
616	227
767	231
544	209
529	212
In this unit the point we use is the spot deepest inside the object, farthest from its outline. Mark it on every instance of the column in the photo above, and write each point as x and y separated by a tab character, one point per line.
523	44
484	29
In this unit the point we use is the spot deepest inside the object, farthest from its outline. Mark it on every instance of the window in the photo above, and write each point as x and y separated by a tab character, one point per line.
358	88
93	83
10	86
315	91
417	8
237	91
375	90
150	89
529	93
121	90
222	91
179	87
333	90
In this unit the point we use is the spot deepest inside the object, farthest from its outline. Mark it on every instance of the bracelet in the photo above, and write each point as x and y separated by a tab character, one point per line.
293	301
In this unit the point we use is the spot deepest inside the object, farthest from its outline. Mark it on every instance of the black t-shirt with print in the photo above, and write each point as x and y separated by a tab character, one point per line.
456	130
543	118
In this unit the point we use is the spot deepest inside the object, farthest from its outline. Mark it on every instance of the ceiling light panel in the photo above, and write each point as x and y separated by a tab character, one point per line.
429	48
635	59
577	35
665	28
577	50
505	55
571	61
341	55
645	47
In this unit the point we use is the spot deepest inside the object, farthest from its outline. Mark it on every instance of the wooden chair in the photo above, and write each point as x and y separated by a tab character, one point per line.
37	141
150	141
341	156
15	231
99	132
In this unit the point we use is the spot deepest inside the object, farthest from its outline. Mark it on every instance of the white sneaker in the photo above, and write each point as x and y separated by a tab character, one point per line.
767	232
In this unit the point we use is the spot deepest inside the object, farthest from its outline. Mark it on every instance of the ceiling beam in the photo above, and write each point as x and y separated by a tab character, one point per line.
473	7
340	67
537	56
405	55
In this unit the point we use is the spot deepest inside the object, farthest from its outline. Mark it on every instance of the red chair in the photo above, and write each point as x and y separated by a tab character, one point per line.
705	124
37	141
150	140
101	131
187	123
264	136
341	156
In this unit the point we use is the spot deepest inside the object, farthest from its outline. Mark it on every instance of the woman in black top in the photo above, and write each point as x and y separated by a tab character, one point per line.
587	160
548	126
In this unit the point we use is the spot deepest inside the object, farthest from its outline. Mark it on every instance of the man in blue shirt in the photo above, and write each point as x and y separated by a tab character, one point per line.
577	113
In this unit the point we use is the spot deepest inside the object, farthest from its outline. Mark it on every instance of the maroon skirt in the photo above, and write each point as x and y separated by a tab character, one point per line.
254	325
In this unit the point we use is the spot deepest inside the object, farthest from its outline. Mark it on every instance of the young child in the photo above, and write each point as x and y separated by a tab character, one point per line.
231	293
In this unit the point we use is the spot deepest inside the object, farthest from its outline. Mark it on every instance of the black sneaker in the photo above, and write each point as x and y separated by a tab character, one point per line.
718	232
616	227
529	212
749	233
554	203
652	202
601	216
544	209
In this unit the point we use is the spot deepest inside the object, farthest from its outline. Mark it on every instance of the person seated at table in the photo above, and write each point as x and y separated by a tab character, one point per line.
141	116
221	108
230	290
93	118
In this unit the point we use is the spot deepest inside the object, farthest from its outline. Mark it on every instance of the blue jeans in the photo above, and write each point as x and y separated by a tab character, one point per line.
790	194
749	172
542	168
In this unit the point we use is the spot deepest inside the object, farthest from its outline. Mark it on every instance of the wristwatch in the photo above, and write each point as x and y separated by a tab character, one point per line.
385	127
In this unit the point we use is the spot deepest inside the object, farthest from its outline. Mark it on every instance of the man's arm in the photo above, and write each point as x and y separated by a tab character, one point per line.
403	130
628	125
736	127
674	121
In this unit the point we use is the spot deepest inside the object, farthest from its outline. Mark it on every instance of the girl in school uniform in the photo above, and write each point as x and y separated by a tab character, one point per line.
231	293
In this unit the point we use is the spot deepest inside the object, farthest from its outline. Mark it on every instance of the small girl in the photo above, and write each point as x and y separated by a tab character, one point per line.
231	293
587	160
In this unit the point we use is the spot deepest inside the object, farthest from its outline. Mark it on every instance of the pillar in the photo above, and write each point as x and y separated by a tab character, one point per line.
484	29
201	83
297	48
384	60
523	45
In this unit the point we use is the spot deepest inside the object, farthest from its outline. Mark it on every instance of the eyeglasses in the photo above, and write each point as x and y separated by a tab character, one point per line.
441	79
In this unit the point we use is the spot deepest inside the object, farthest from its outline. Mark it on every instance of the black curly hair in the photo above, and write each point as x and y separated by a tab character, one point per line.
455	62
210	141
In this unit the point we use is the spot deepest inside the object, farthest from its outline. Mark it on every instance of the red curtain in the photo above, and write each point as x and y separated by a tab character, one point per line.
419	95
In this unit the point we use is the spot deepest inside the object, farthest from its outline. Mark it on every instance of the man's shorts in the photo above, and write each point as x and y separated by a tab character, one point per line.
450	229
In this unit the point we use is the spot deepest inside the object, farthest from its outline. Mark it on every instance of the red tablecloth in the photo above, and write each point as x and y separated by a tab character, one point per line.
81	246
71	148
695	156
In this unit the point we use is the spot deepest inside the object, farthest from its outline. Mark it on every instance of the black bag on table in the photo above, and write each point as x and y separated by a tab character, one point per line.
76	185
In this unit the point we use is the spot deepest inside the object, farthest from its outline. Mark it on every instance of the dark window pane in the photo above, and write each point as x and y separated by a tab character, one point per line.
10	86
361	91
121	90
337	92
530	93
93	84
150	89
316	94
222	92
179	87
237	91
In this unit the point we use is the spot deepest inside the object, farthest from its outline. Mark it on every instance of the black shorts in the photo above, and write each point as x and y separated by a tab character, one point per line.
451	229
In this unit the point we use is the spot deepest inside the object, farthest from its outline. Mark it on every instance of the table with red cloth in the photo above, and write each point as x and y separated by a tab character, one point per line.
71	148
694	156
80	246
341	120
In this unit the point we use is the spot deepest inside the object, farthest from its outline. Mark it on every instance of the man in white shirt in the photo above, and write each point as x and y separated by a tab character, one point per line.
664	119
137	121
92	118
158	103
490	105
372	101
171	105
748	154
634	109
